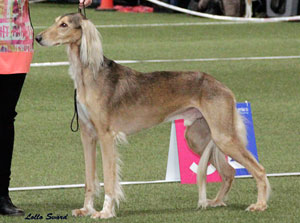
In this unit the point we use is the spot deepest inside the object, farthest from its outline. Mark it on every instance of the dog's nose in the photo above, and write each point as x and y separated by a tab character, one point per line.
38	38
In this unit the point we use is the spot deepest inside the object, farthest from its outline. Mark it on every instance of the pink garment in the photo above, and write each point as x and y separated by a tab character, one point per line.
16	37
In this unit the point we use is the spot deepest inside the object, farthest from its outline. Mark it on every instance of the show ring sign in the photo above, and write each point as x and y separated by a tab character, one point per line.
184	162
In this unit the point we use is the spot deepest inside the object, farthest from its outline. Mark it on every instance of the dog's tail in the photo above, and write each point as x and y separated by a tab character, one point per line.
240	127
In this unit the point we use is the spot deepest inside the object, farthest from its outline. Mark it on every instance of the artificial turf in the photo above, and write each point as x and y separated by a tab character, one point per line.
48	153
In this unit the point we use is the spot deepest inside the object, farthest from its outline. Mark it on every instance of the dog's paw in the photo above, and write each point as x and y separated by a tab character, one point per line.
257	207
79	212
215	203
103	215
82	212
202	204
210	203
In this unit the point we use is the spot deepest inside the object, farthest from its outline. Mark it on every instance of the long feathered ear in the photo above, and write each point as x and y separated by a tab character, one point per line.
91	53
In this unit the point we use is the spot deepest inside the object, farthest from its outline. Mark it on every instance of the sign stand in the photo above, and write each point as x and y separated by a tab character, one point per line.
182	162
173	173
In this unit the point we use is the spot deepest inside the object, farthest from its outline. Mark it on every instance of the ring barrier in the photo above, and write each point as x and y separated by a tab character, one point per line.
227	18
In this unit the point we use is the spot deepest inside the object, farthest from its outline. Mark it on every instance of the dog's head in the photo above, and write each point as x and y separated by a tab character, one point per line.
75	29
67	29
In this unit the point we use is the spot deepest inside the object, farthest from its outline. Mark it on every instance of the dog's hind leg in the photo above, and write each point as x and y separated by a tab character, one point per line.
227	173
197	135
199	139
229	134
89	142
202	173
112	187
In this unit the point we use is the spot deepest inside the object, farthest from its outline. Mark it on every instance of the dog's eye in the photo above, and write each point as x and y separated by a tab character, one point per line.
63	25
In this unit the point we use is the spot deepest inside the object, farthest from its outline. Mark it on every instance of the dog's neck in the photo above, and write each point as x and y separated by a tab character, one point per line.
82	75
75	69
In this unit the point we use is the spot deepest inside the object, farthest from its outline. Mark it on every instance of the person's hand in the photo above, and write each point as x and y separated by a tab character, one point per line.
84	3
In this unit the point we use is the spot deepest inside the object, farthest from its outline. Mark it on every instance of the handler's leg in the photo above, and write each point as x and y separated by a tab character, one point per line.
10	90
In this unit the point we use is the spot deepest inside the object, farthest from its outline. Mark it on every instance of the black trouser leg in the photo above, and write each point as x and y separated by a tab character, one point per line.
10	90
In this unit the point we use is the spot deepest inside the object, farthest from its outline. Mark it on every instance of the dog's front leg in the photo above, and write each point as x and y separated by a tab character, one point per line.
89	141
112	187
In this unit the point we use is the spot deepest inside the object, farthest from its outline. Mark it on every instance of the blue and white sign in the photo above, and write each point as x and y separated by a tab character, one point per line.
245	110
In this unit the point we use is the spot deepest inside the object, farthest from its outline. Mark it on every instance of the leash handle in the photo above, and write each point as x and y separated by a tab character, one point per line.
75	116
82	10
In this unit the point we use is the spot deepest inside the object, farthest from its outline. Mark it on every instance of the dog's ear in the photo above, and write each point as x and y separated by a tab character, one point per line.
76	20
91	53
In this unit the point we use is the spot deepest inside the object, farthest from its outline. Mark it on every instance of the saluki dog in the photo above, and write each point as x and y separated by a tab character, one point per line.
115	101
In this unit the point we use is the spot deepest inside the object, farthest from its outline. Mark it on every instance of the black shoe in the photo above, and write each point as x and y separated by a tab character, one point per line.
8	208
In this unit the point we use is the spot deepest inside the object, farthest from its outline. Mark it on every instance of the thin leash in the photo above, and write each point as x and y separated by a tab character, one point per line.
82	10
75	115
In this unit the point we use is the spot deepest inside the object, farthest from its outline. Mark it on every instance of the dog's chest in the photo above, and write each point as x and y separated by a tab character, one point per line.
75	71
83	113
84	117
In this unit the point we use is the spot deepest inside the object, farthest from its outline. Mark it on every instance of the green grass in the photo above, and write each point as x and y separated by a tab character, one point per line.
48	153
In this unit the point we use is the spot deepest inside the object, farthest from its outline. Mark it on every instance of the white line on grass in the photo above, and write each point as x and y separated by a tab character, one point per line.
50	64
158	25
133	182
82	185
